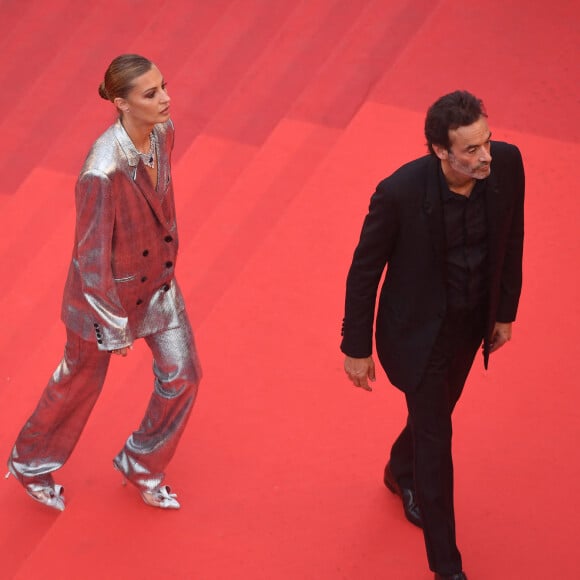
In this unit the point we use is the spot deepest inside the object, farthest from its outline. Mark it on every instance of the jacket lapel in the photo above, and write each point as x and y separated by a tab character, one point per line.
493	201
139	176
433	209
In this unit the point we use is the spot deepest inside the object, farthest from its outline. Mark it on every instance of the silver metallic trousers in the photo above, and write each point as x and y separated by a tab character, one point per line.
51	433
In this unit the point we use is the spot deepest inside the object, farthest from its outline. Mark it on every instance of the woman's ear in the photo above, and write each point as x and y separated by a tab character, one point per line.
121	104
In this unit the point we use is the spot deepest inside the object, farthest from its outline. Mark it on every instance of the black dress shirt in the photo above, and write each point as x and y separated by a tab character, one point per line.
466	243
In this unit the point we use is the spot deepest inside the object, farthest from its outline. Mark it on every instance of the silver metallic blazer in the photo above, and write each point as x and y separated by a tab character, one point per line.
121	284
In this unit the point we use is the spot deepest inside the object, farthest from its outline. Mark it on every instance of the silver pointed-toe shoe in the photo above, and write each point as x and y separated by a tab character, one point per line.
43	491
50	496
161	497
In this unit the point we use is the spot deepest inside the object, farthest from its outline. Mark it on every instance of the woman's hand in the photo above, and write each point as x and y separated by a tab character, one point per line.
122	351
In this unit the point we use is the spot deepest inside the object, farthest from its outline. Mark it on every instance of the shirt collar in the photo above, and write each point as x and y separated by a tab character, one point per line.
448	195
126	144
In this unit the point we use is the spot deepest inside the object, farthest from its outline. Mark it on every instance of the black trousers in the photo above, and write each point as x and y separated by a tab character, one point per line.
421	456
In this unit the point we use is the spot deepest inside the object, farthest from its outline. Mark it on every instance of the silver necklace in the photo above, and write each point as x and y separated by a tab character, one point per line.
149	157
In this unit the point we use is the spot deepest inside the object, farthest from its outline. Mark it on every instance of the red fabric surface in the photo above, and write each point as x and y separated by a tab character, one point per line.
287	115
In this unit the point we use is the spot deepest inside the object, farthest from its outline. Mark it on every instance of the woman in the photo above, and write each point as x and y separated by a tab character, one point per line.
120	287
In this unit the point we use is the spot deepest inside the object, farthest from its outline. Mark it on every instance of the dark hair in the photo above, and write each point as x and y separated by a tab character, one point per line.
449	112
120	75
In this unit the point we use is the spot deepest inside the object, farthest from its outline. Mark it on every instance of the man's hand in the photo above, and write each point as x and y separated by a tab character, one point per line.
502	332
360	371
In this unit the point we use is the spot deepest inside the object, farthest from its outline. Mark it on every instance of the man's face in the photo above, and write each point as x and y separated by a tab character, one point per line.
468	156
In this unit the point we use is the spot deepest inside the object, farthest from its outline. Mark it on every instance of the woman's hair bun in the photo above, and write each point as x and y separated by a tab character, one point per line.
103	92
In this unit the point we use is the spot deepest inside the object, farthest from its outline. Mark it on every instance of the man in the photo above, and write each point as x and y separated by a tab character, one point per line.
450	227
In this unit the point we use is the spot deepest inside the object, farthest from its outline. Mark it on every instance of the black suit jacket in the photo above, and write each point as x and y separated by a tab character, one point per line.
405	229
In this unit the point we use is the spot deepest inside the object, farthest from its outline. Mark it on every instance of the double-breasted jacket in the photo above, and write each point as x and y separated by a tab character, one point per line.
121	283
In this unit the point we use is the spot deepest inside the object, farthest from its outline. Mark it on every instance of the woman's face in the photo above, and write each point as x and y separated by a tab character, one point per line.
148	101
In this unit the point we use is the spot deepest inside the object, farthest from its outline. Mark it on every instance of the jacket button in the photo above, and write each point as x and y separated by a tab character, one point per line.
139	302
144	279
168	239
168	264
145	253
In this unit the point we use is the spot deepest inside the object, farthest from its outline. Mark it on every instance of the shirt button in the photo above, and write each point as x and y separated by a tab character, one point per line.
165	287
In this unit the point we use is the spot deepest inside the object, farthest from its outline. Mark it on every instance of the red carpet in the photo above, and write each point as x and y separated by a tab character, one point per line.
287	115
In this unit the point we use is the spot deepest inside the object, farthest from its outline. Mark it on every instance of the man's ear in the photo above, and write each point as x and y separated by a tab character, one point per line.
440	151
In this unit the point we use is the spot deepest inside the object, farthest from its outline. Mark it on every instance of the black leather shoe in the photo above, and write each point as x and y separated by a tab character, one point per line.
407	496
458	576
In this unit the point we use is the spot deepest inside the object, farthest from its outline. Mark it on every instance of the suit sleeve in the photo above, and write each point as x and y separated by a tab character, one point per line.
95	221
372	253
511	275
